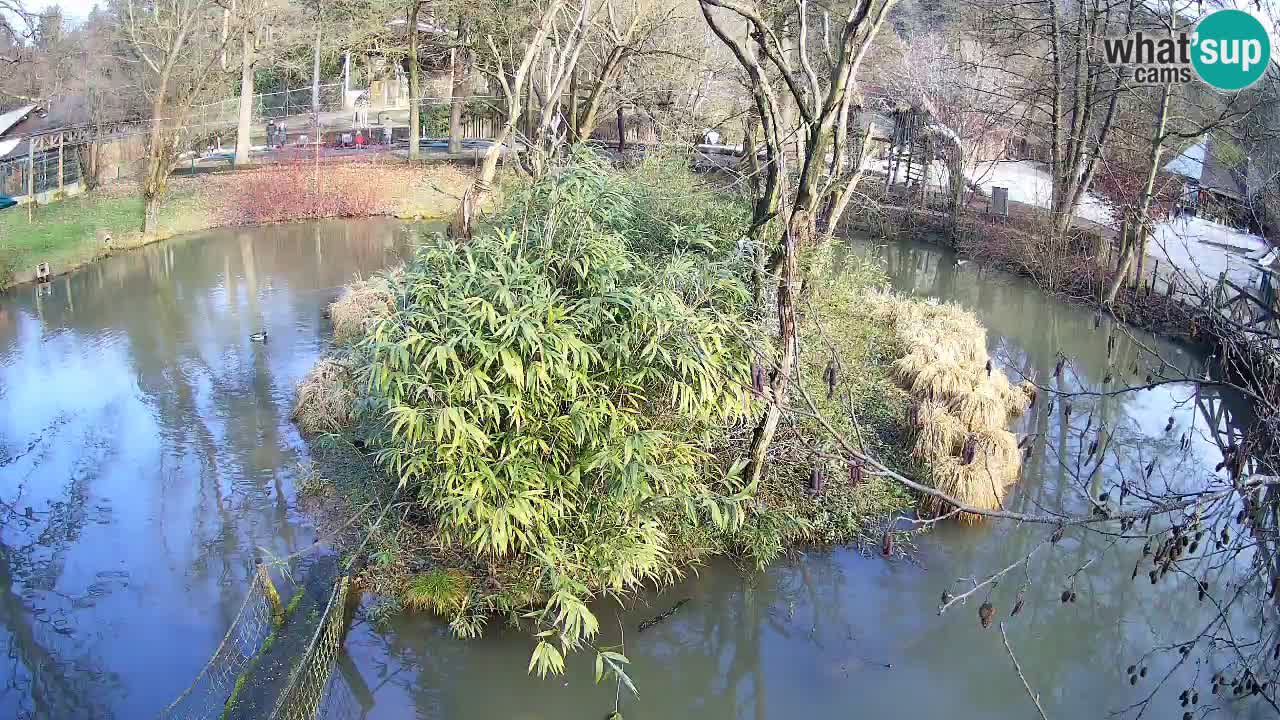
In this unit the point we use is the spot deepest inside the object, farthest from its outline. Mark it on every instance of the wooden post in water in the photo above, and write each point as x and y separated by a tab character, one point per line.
273	597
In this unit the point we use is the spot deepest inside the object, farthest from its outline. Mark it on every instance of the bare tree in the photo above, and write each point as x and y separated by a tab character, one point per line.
510	71
822	100
176	46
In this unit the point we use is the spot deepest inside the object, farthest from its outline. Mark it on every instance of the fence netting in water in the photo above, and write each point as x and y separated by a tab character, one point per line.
305	692
207	695
308	690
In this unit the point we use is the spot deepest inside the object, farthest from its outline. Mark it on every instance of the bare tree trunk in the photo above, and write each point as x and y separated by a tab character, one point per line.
244	124
842	201
157	173
571	131
460	70
622	131
315	75
415	92
609	72
1138	223
512	92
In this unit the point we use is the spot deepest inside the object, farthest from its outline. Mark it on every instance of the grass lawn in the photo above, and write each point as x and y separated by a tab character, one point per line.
66	230
66	233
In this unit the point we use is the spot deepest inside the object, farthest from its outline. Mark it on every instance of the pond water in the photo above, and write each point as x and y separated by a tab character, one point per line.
150	438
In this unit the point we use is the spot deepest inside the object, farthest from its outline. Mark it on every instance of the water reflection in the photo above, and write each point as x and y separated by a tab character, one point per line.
834	633
150	439
146	454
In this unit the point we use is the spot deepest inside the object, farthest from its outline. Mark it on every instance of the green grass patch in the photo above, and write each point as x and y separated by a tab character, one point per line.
66	233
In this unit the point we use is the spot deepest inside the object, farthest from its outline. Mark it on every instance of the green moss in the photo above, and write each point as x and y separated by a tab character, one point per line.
293	602
235	692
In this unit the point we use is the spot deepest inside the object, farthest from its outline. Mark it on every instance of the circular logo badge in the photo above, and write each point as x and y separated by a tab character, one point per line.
1232	49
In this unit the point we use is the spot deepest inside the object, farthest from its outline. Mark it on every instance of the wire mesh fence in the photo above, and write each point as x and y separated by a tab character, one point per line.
207	695
309	683
270	106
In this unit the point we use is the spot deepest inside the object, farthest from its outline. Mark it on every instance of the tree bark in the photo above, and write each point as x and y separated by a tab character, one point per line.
244	125
415	91
1138	223
459	67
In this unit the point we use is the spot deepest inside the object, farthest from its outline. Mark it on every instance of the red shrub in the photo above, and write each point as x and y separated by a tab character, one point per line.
297	188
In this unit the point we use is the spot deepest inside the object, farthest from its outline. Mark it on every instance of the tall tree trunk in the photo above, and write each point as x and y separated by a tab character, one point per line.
415	92
459	67
607	78
846	193
244	126
315	75
571	131
157	173
622	131
1138	223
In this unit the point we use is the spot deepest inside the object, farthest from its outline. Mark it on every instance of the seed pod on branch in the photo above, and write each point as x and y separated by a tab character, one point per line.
986	613
817	481
831	375
757	379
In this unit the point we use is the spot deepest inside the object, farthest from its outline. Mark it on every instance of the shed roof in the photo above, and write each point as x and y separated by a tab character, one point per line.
13	117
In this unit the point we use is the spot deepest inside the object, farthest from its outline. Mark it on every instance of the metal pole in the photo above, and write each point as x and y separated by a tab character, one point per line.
31	177
60	144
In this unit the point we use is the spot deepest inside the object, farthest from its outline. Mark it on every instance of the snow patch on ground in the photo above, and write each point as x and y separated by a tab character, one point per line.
1029	183
1199	251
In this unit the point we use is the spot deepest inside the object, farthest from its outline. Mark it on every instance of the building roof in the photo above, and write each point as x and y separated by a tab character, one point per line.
1201	164
13	117
1190	162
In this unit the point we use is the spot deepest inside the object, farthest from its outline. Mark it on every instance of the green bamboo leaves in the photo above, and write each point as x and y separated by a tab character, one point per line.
551	398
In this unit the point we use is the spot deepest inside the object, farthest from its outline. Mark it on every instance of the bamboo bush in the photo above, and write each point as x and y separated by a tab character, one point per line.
550	401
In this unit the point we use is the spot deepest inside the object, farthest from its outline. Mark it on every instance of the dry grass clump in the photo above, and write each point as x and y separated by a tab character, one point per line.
997	449
936	434
325	398
362	303
974	484
962	408
982	406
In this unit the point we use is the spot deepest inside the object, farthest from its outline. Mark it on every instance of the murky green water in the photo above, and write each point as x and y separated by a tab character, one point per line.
151	440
